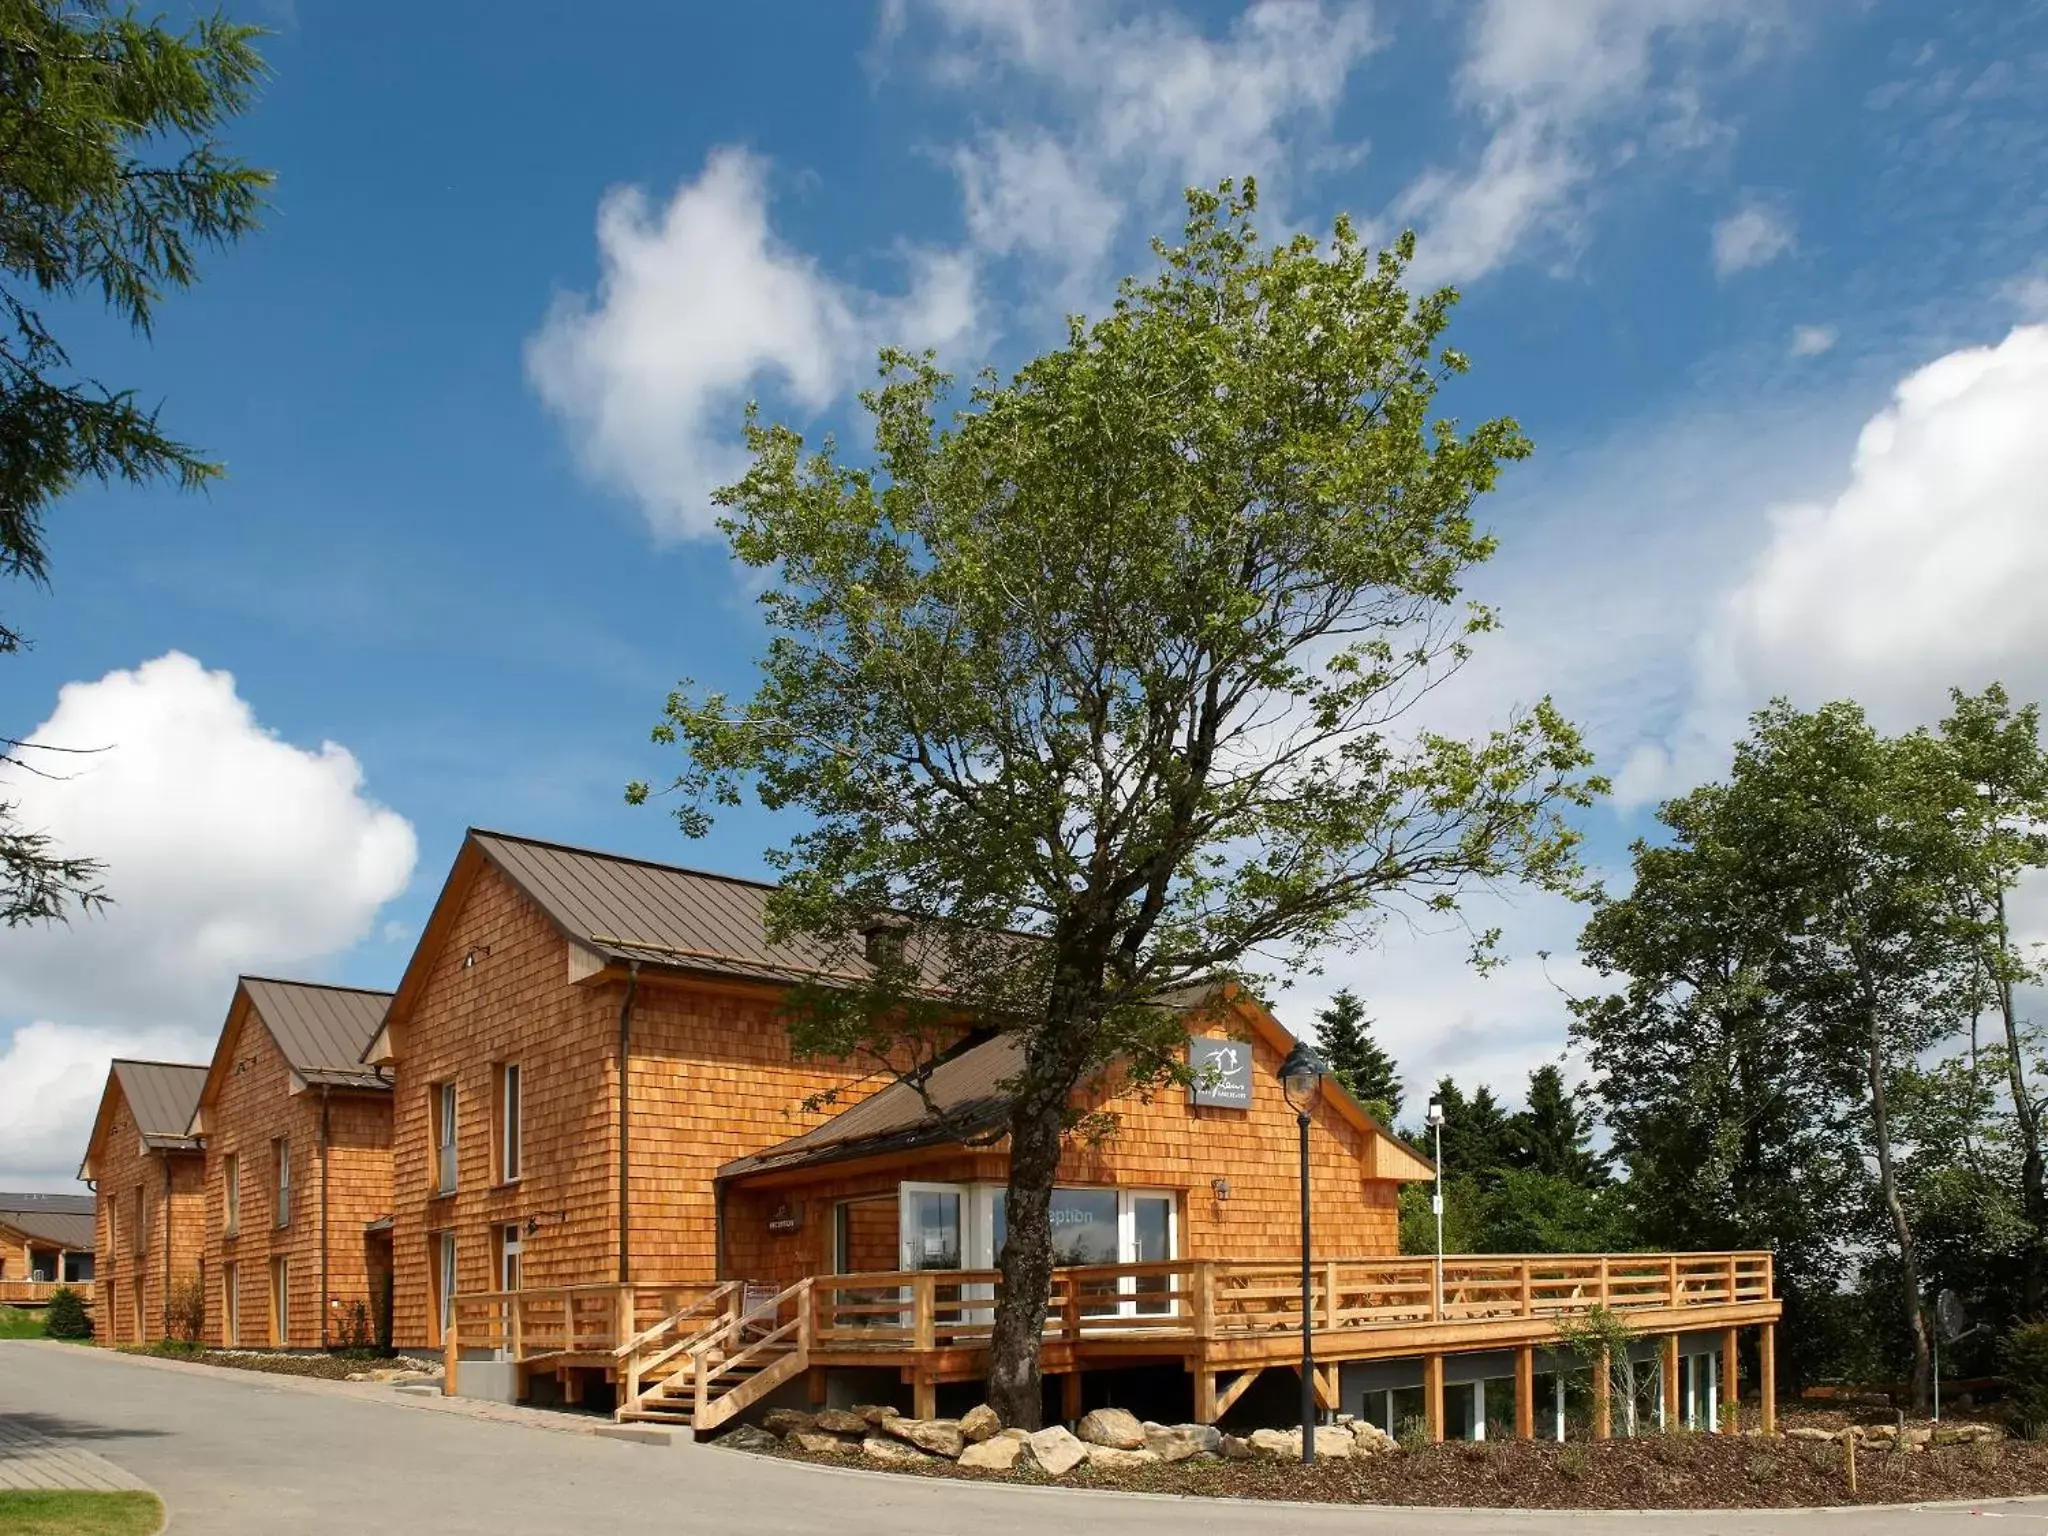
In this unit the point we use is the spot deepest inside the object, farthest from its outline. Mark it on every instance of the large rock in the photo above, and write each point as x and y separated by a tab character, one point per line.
1235	1448
979	1423
840	1421
992	1455
893	1452
747	1438
1371	1439
1275	1444
1333	1441
787	1421
941	1437
1112	1458
876	1414
1113	1427
1179	1442
1808	1432
1056	1452
815	1442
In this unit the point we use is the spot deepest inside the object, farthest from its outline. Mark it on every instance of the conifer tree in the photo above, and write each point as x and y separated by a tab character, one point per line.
1344	1036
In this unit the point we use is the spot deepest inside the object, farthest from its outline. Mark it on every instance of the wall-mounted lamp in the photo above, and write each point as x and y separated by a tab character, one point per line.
1220	1188
476	953
533	1222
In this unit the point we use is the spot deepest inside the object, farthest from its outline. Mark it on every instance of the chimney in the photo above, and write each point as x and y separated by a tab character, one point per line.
884	937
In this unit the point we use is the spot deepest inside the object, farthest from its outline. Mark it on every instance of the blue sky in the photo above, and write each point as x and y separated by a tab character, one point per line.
472	378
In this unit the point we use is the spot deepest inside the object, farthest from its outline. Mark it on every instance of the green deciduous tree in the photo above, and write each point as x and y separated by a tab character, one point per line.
1344	1038
1095	685
110	181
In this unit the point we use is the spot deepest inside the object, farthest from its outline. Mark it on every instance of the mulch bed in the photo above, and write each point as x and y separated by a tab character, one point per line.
325	1367
1661	1471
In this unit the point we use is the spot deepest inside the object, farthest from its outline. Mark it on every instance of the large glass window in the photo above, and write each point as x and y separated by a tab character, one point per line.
931	1228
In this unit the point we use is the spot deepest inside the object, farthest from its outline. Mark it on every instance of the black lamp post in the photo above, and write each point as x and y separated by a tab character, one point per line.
1301	1078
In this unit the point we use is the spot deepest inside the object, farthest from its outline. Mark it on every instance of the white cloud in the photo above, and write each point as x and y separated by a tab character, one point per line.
1813	340
1543	75
226	849
1145	105
2028	293
1755	235
1924	571
699	305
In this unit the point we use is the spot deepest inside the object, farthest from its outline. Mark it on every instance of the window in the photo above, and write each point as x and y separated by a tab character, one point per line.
443	1098
508	1123
281	1154
280	1303
444	1283
231	1303
511	1245
141	1334
231	1177
141	1225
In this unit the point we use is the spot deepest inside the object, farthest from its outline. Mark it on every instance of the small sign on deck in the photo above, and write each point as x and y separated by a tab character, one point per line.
786	1218
1222	1072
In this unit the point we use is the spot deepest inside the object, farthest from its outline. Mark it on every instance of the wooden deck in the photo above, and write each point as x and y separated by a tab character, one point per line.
37	1293
702	1352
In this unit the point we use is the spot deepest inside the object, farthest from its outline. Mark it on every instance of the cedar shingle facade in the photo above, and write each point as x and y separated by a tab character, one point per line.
147	1172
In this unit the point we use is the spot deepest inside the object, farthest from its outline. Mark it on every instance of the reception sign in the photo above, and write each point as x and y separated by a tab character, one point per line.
1223	1072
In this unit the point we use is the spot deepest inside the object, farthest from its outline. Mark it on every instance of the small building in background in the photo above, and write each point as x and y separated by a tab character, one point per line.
147	1173
45	1241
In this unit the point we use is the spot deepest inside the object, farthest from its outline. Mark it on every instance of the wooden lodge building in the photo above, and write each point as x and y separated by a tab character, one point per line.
297	1132
46	1241
603	1186
147	1172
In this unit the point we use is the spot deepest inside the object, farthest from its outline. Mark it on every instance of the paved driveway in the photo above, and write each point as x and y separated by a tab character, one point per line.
237	1454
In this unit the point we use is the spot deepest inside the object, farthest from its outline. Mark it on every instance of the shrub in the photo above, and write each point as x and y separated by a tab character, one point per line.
185	1312
66	1317
2024	1355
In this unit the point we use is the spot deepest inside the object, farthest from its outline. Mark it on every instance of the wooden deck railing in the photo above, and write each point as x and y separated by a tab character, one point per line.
653	1323
37	1293
1219	1298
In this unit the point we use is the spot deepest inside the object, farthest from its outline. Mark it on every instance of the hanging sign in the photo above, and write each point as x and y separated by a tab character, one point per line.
787	1218
1223	1072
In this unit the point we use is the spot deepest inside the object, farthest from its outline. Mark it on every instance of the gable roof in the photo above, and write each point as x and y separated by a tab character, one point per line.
965	1096
161	1096
321	1030
625	910
66	1220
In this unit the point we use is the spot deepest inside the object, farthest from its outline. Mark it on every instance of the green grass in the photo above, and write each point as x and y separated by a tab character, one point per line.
20	1323
37	1512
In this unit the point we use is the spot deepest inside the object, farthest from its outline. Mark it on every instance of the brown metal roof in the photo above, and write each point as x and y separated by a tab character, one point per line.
162	1096
963	1096
634	909
66	1220
322	1030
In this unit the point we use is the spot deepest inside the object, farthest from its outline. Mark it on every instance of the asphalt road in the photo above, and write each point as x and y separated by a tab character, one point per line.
237	1454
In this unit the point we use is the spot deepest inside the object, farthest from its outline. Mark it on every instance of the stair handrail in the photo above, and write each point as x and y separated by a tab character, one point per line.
799	1324
648	1335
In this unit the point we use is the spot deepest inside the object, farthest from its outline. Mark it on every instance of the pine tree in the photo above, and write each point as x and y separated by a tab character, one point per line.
1478	1138
1554	1135
1343	1035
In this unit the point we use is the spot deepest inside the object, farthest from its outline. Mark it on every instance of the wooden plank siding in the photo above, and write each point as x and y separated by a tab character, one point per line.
712	1078
1161	1143
254	1106
126	1171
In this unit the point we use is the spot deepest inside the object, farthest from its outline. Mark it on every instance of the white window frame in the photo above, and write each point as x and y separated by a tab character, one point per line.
511	1130
231	1303
444	1259
446	1123
231	1180
511	1252
281	1204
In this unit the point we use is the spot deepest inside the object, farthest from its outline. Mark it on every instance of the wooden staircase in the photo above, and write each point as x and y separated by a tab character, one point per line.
700	1370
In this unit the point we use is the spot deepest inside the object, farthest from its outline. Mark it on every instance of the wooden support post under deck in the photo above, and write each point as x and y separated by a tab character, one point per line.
814	1386
1603	1397
1433	1395
924	1397
1670	1358
449	1353
1070	1397
1767	1377
1205	1395
1731	1382
1525	1383
572	1385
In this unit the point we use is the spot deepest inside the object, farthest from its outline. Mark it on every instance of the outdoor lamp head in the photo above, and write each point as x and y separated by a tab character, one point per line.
1301	1074
1436	1113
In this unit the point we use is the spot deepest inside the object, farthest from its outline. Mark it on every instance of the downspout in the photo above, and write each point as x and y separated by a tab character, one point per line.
326	1302
164	1307
625	1119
